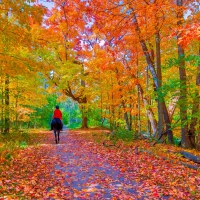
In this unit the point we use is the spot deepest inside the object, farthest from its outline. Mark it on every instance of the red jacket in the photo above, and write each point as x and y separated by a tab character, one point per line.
57	114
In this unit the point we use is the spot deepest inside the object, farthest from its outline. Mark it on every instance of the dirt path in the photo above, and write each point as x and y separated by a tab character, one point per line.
68	170
88	176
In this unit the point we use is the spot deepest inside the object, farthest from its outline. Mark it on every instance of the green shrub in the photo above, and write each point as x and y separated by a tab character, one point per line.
177	141
124	134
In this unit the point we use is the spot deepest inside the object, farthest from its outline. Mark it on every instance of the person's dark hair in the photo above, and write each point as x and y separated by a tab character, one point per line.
57	107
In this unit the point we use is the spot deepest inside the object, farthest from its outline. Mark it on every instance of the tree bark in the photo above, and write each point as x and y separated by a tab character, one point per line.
198	142
149	101
84	121
159	77
172	106
185	140
194	120
198	121
149	111
139	115
126	118
84	113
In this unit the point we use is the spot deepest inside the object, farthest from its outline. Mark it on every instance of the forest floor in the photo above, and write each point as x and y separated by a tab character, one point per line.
80	167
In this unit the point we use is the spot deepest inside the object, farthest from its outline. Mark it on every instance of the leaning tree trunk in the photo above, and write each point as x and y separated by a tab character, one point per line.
155	78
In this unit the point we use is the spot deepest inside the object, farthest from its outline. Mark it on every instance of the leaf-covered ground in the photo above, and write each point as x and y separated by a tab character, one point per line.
80	167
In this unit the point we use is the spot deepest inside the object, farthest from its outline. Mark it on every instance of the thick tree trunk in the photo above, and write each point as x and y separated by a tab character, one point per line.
183	102
84	113
84	122
194	120
185	140
198	121
159	77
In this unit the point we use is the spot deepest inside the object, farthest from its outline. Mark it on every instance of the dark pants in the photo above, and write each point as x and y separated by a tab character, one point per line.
56	123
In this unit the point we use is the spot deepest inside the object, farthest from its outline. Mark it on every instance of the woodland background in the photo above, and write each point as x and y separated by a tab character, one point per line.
131	66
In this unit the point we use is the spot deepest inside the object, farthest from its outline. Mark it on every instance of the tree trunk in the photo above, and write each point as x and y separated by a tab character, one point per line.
198	142
198	121
2	106
139	120
154	75
7	103
130	117
185	140
16	106
127	121
84	113
195	111
126	118
84	122
172	106
149	102
194	120
149	111
159	77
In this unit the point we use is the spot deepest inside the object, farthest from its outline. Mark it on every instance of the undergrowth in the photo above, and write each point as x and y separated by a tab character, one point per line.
16	139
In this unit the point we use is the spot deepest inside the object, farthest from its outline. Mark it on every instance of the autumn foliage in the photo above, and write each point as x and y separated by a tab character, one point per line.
128	65
133	60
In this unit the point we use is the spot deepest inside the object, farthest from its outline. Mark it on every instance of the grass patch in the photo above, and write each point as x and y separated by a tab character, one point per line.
17	139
